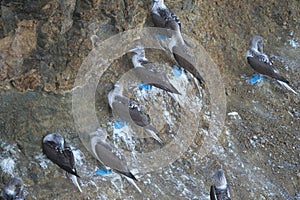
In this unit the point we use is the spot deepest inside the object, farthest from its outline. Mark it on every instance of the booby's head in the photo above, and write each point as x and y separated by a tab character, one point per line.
256	43
139	50
118	90
99	135
139	56
176	40
55	138
220	180
13	189
158	3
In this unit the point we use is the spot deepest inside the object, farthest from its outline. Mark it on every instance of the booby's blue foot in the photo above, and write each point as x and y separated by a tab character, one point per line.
119	124
103	171
177	71
255	79
145	86
161	37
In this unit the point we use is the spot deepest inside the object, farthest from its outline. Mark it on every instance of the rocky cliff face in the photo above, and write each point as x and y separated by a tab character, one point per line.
43	44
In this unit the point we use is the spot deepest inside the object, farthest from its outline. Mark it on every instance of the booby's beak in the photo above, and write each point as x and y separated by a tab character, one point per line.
260	46
137	49
133	50
256	42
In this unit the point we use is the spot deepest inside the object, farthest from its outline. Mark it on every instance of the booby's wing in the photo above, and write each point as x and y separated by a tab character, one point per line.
137	114
142	119
64	158
216	194
265	68
187	62
110	156
222	195
120	107
158	21
157	79
213	195
161	17
130	111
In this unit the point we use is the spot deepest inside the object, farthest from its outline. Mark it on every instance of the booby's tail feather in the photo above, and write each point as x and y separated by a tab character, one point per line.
287	86
75	182
131	181
152	132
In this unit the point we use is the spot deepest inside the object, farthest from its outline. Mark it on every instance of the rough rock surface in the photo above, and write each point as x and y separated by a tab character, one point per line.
43	44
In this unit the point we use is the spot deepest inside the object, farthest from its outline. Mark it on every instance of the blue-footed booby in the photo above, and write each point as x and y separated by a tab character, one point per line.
110	156
55	149
261	63
182	54
13	190
147	71
162	15
220	189
130	111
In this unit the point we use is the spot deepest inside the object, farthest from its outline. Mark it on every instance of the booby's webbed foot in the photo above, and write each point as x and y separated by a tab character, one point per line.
256	78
